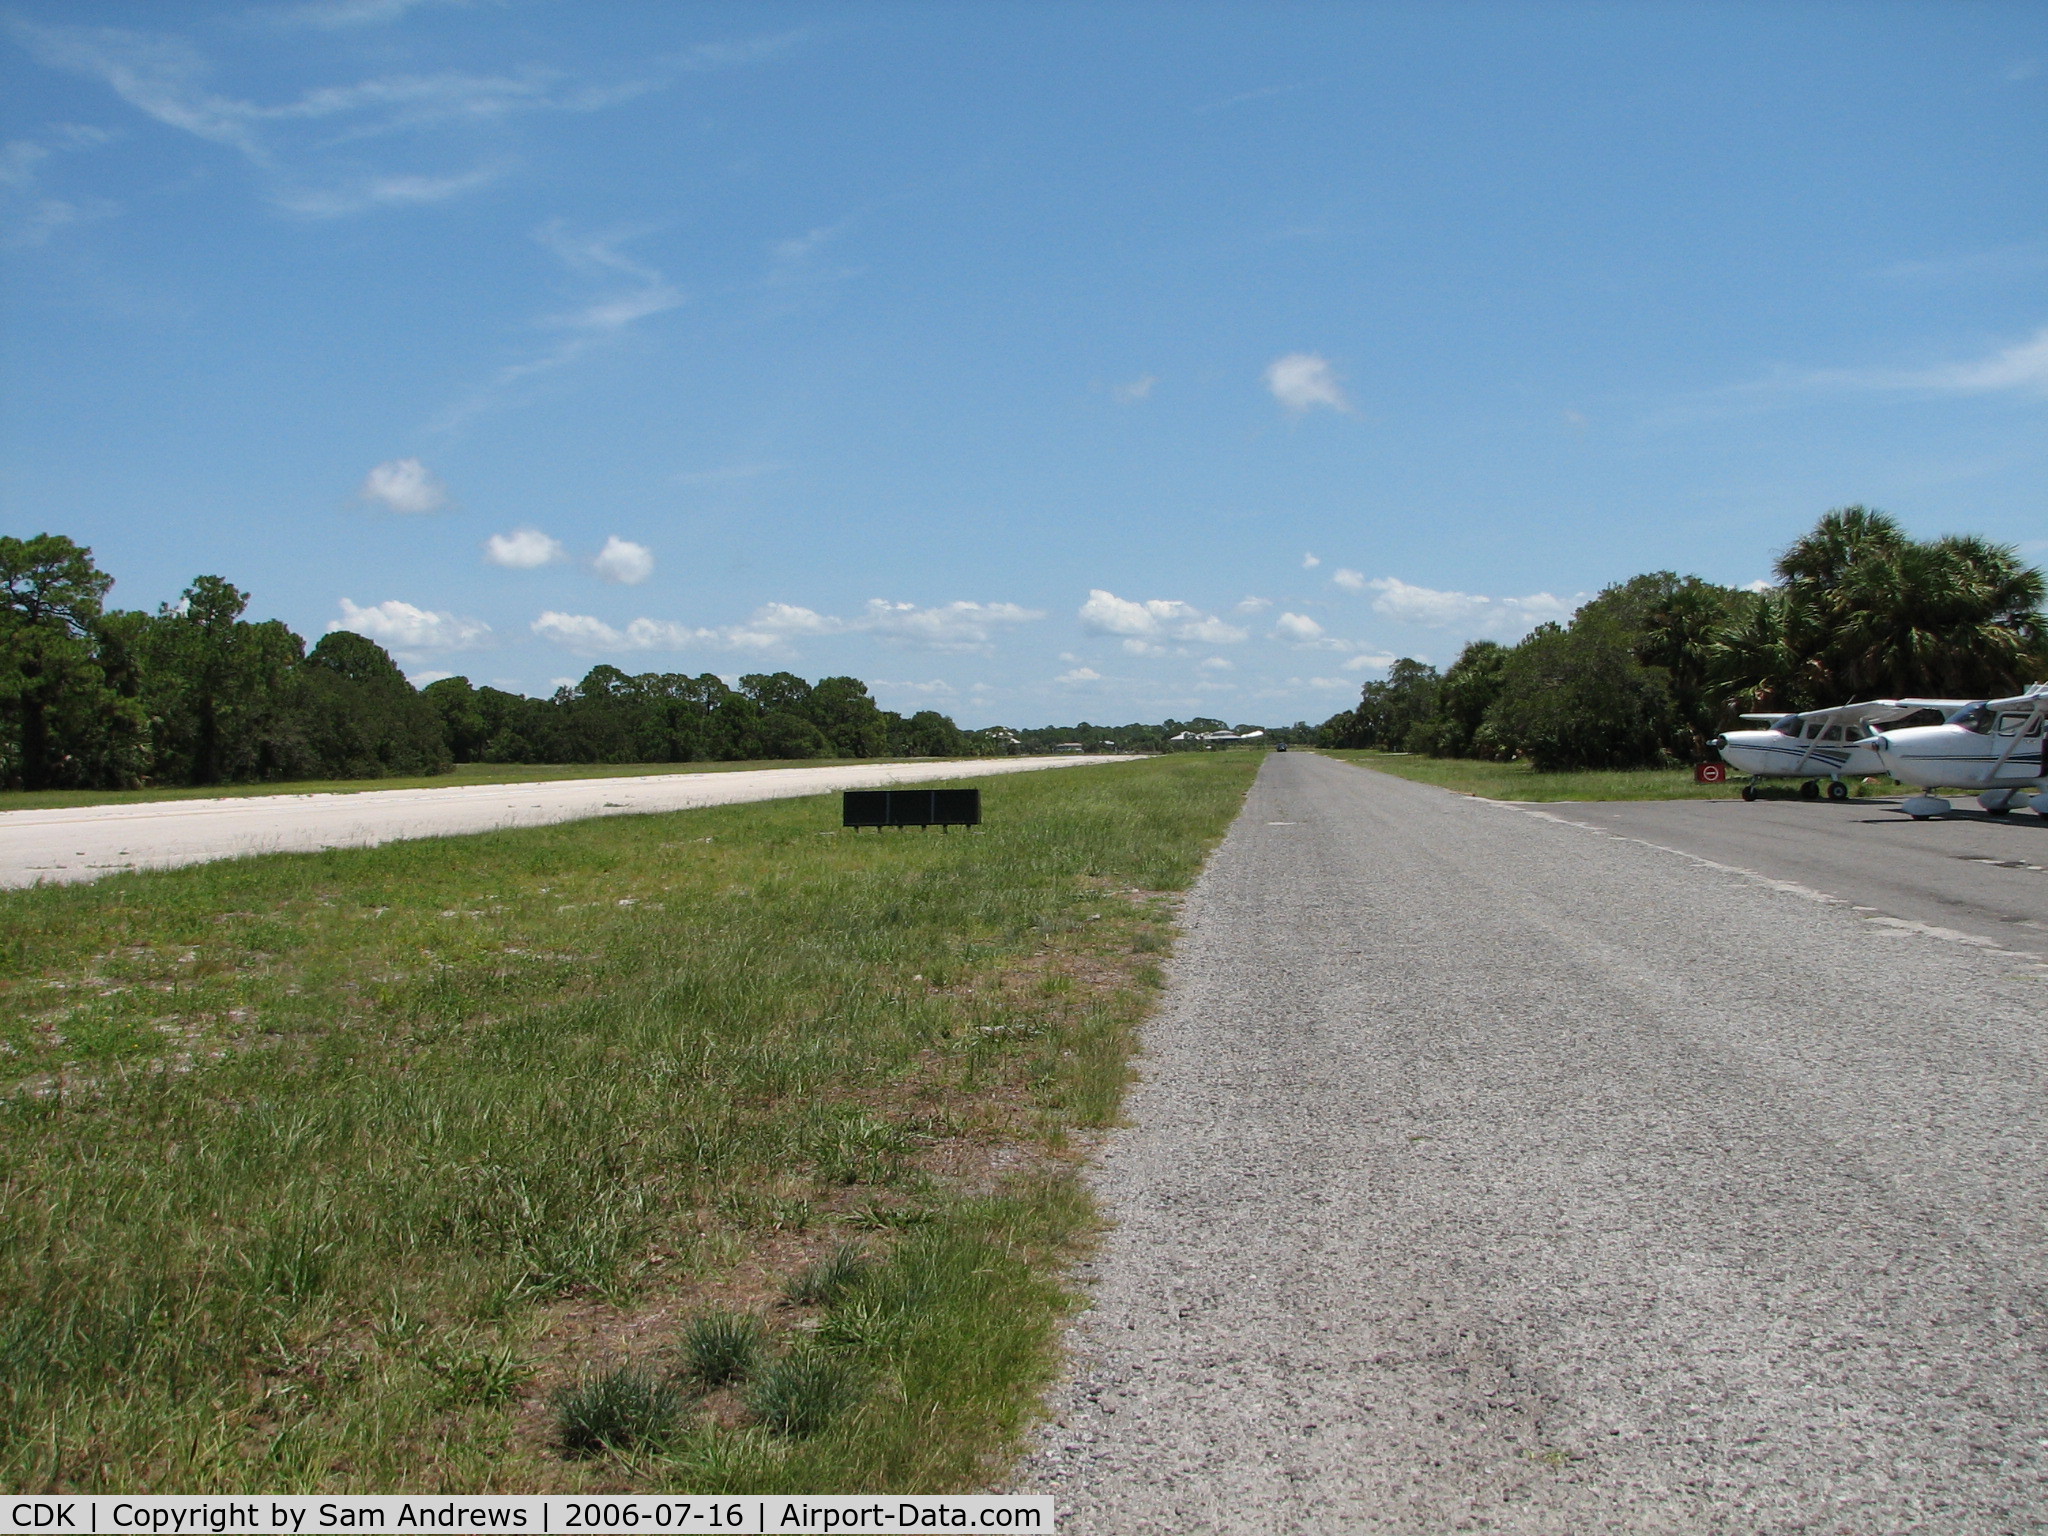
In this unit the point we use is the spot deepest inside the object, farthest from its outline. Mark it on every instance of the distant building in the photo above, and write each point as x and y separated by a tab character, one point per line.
1070	746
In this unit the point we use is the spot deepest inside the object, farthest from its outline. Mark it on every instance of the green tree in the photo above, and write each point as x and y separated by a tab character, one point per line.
61	721
226	697
1466	692
1675	625
362	718
842	709
1862	610
1578	698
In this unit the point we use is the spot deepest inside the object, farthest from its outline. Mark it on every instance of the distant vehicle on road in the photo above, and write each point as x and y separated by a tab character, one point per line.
1998	747
1820	744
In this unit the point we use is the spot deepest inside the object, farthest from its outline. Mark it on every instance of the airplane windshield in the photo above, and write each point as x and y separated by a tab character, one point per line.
1789	726
1971	717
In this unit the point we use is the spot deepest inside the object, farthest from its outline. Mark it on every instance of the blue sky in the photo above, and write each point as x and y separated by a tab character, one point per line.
1034	362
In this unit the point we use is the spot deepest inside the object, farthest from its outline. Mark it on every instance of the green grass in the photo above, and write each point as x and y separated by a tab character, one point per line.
348	1170
1518	781
462	773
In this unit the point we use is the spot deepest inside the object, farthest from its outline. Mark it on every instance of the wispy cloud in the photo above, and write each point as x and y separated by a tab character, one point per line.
2022	366
1246	98
2020	258
298	143
1136	390
403	627
623	292
1349	580
31	215
334	15
1303	382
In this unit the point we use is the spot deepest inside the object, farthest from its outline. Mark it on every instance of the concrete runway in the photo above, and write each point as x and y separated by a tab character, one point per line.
1492	1173
58	846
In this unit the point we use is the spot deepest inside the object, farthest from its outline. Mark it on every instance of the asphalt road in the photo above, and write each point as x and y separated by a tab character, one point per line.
57	846
1968	871
1491	1173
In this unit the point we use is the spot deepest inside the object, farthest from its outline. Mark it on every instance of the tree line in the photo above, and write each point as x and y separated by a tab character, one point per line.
1654	667
195	693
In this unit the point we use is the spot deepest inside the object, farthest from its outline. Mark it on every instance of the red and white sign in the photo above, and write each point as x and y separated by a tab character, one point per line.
1710	773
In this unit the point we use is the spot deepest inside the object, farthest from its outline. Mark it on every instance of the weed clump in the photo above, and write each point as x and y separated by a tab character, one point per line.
722	1348
822	1283
801	1393
615	1410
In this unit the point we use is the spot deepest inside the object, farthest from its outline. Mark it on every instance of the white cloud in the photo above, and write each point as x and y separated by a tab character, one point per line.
1349	580
960	626
430	675
404	485
404	627
1155	619
1332	682
772	627
523	549
1301	381
1298	628
1136	390
1218	664
937	688
1137	647
1495	616
1080	675
586	635
1761	584
623	561
1254	604
1310	562
1368	659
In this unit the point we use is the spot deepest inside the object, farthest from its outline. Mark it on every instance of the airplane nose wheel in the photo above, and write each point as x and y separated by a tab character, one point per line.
1837	790
1810	790
1749	791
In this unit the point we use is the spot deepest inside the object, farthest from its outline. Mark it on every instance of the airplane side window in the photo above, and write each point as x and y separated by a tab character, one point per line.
2009	725
1855	733
1832	733
1813	729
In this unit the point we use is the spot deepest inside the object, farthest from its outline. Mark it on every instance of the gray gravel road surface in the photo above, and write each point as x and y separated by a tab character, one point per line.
1491	1174
57	846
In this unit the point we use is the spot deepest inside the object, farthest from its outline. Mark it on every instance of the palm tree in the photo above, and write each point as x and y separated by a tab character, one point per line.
1864	611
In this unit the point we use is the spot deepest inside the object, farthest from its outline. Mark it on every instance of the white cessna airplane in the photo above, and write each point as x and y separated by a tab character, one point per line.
1829	744
1998	747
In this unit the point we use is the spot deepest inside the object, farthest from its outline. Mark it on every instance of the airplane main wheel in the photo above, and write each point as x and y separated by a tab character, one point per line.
1837	790
1810	790
1749	793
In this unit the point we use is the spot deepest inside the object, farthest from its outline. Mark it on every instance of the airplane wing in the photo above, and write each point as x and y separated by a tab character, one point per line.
1877	711
2035	697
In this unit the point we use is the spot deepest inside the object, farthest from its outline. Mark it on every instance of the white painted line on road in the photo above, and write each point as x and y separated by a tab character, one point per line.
1792	888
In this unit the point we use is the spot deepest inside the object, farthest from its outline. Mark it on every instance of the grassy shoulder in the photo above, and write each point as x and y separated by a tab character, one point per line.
1519	781
462	1164
461	774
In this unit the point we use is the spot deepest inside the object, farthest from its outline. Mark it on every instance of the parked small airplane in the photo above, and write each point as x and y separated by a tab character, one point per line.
1819	744
1998	747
